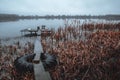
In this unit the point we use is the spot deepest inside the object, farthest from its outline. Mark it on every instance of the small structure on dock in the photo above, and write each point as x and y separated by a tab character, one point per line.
29	32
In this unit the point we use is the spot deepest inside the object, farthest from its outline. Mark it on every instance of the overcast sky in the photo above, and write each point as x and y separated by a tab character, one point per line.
60	7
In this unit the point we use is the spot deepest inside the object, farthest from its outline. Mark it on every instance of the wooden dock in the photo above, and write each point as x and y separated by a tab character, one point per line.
29	32
39	71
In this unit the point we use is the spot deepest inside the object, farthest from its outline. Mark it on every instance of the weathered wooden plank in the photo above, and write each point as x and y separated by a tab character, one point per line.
37	50
48	75
40	73
38	68
38	46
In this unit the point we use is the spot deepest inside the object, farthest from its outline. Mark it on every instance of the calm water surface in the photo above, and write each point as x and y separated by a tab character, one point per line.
12	29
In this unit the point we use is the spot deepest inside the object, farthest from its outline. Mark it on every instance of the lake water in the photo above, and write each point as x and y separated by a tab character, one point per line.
12	29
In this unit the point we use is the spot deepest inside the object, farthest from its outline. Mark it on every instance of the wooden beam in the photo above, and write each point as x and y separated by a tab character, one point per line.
37	50
39	71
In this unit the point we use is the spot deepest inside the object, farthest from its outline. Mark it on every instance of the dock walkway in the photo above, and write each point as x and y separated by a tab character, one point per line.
39	71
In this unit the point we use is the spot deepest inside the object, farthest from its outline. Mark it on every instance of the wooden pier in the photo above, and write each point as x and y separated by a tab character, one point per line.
29	32
39	71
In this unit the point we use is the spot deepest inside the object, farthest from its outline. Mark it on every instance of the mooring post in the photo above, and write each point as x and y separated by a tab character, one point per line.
39	71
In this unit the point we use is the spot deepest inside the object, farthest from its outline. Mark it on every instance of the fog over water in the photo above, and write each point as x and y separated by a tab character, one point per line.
60	7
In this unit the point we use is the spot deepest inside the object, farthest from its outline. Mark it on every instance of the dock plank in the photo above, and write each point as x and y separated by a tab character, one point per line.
38	47
39	71
37	50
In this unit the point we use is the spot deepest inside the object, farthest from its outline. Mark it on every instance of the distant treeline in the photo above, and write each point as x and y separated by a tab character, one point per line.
14	17
8	17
